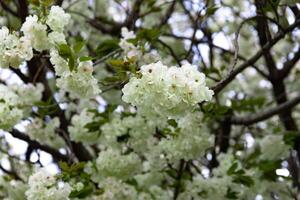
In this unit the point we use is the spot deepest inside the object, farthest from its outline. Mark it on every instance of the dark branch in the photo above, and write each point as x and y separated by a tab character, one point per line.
222	84
55	153
254	118
289	65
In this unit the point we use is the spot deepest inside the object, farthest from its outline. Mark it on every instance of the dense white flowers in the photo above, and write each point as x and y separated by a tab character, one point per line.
112	163
78	132
56	38
206	189
273	147
57	19
166	91
16	101
12	189
45	132
60	65
9	116
80	83
13	50
115	189
36	32
137	128
43	186
163	141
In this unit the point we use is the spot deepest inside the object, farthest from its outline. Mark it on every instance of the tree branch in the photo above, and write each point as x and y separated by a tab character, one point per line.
56	154
289	64
222	84
266	114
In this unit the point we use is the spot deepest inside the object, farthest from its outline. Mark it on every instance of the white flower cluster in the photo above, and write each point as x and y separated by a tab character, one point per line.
57	19
138	129
36	31
273	147
78	132
166	91
16	102
13	50
217	185
135	135
190	142
112	163
130	50
117	190
206	189
60	65
140	53
80	83
44	132
9	116
45	186
12	189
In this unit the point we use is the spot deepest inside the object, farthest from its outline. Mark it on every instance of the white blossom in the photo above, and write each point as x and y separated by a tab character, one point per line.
36	32
45	132
57	19
164	91
115	189
80	83
13	50
43	186
273	147
111	163
130	50
16	102
78	132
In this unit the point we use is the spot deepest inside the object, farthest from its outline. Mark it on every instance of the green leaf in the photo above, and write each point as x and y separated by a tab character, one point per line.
221	110
64	51
231	194
85	58
93	126
271	5
172	122
47	2
107	47
253	156
78	46
71	63
150	3
269	165
63	166
123	138
117	78
172	173
269	169
243	179
132	182
289	137
35	2
150	35
122	66
249	104
86	191
46	107
211	10
232	169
